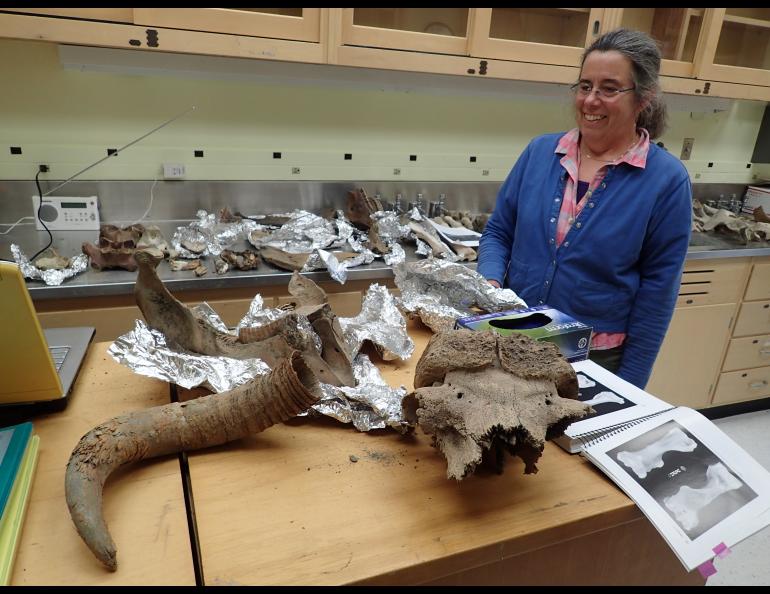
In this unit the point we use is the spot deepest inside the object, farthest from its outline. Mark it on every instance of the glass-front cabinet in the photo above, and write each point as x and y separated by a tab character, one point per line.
434	30
542	35
737	46
296	24
677	31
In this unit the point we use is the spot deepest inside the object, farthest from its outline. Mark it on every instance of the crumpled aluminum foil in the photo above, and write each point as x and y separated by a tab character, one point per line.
215	236
77	265
372	404
381	322
320	259
146	352
439	292
303	233
391	230
397	255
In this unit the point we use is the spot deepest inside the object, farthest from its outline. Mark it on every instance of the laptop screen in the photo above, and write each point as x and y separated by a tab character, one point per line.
28	372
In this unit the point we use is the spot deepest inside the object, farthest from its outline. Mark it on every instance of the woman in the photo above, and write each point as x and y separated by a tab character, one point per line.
596	222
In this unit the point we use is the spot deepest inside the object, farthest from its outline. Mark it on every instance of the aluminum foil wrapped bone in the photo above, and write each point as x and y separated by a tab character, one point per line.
146	352
380	322
304	232
211	236
372	404
439	292
322	259
77	265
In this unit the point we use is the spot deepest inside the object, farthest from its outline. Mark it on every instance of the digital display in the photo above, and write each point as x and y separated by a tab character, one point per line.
73	205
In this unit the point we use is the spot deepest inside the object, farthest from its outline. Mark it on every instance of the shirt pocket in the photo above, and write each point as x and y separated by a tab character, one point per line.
517	274
597	300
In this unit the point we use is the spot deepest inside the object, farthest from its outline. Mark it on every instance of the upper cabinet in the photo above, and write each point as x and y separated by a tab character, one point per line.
298	24
435	30
542	35
707	51
737	46
677	31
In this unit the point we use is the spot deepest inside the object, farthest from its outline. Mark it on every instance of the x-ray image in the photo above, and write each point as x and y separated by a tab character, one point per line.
602	399
695	488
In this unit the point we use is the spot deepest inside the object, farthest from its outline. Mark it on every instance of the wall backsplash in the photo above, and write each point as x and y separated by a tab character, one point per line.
253	131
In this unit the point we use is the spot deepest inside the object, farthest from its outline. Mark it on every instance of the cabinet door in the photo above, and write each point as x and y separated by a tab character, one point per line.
542	35
737	46
298	24
745	353
435	30
676	30
759	283
684	375
738	386
117	15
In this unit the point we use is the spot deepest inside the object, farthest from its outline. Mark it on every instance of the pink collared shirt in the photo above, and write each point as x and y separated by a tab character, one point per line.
568	145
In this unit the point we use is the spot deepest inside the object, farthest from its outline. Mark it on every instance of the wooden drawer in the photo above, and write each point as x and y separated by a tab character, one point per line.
753	319
736	386
759	283
743	353
708	282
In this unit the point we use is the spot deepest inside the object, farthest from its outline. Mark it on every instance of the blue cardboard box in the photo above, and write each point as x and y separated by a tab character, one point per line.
541	322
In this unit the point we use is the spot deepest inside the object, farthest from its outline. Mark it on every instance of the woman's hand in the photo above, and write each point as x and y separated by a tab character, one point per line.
494	283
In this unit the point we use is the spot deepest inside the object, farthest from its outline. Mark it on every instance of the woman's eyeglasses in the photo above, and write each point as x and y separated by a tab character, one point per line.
584	89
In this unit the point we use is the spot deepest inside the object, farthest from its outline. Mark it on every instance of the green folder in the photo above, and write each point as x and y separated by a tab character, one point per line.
16	508
13	444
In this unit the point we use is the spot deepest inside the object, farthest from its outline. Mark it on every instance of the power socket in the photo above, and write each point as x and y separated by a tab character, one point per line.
173	171
687	149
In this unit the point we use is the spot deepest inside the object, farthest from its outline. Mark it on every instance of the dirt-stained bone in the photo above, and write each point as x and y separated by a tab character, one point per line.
361	207
480	392
204	422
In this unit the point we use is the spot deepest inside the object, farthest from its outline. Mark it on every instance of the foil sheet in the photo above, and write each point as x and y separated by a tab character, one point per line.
146	352
321	259
372	404
258	316
397	255
77	265
423	249
391	230
213	236
439	292
380	322
303	233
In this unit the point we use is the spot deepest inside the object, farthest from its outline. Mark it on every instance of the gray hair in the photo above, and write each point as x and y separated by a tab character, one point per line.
643	52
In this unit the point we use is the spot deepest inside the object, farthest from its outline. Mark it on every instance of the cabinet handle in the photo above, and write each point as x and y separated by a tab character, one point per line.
758	385
764	352
596	27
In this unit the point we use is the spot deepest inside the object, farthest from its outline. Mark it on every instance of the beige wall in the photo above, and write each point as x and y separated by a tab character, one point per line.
68	119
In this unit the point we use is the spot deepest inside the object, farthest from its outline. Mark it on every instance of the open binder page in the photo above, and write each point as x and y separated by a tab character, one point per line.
698	487
615	401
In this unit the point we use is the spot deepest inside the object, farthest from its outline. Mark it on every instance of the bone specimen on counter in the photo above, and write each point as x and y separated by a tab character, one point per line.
361	207
376	242
163	312
481	394
437	246
282	259
115	247
760	216
50	259
177	265
153	238
291	388
245	260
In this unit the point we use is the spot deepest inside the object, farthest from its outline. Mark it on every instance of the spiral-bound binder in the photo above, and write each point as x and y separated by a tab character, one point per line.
617	405
592	437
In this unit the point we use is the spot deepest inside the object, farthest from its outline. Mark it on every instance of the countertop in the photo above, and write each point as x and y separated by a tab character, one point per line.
94	283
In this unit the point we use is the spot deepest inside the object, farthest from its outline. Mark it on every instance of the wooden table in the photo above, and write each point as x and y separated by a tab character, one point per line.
144	504
289	506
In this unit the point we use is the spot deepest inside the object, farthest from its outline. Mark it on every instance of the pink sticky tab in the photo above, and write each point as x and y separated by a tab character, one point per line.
707	569
721	550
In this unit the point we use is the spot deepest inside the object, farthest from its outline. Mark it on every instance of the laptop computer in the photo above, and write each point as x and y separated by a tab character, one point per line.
37	367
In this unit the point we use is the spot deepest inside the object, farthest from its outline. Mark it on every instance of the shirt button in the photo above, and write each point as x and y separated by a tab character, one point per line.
578	225
566	244
540	302
590	205
551	241
556	199
604	185
547	283
553	219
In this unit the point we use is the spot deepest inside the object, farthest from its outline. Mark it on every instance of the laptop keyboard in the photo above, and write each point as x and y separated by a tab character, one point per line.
58	354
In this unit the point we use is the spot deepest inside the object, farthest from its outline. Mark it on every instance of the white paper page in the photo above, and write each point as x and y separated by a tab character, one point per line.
697	486
614	399
459	235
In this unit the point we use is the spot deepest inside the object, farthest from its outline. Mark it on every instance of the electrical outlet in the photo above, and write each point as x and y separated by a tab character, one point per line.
687	148
173	171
